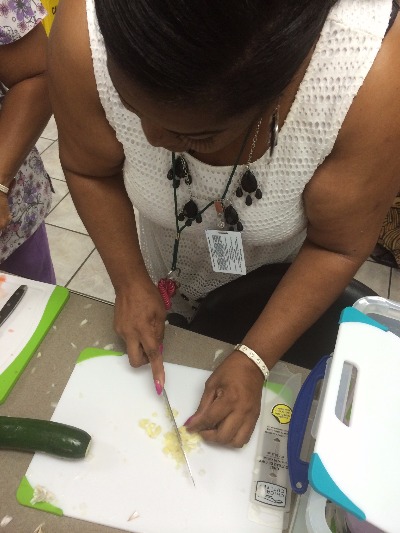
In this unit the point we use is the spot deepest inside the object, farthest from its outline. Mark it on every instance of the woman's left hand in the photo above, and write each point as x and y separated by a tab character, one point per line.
230	405
5	215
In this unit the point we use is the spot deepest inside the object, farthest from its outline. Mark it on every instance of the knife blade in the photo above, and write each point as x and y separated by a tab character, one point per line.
178	435
12	303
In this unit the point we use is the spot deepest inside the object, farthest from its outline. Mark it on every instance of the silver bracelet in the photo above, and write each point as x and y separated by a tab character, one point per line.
254	357
4	189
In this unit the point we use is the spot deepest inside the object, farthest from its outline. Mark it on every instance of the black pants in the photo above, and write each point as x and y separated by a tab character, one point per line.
227	313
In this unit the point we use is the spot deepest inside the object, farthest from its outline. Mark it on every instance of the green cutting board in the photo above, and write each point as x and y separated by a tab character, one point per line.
10	375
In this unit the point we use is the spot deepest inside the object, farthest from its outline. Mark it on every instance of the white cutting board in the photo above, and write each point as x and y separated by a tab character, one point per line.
357	466
126	471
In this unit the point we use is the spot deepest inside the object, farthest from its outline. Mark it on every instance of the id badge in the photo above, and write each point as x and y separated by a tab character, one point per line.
226	251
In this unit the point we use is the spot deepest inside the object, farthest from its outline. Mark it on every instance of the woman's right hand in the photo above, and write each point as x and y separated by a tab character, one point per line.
5	215
139	319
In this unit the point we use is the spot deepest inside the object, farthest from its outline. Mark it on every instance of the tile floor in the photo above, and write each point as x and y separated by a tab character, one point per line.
78	265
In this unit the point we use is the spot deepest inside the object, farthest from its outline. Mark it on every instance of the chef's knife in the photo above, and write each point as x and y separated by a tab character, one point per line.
178	435
12	303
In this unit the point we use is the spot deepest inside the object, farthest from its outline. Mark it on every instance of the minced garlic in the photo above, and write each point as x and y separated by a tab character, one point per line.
168	414
190	442
151	428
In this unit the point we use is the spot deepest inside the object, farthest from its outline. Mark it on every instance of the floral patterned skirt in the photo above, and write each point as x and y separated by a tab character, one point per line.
29	200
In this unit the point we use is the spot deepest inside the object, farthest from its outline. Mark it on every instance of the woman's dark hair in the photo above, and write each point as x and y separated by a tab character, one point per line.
233	54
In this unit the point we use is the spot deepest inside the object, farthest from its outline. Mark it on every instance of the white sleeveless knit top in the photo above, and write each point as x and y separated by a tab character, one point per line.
275	226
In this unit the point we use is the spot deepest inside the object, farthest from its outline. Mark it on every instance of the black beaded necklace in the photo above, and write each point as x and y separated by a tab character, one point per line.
226	214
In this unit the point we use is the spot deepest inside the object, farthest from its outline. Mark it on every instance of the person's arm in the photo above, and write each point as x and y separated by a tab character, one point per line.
92	159
345	202
25	108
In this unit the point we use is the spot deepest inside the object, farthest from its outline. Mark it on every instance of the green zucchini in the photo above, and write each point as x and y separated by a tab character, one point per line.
28	434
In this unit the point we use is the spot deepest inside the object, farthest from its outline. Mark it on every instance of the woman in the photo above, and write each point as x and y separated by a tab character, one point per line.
25	189
144	82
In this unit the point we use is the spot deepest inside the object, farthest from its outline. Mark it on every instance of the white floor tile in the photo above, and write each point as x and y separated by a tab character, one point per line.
61	190
50	131
68	250
52	163
42	144
394	293
375	276
92	279
66	216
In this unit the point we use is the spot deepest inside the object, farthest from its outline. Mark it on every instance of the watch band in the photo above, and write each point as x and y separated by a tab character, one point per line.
254	357
4	189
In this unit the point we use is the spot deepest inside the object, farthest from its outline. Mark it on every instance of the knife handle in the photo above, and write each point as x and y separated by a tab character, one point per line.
12	303
298	469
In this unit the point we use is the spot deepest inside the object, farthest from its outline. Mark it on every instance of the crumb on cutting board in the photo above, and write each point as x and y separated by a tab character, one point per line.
218	357
5	520
218	353
41	494
109	347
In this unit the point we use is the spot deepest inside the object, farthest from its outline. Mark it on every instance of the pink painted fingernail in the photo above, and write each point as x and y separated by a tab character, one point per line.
188	421
161	348
158	386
